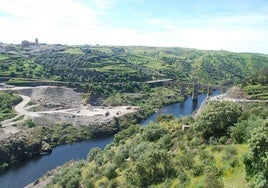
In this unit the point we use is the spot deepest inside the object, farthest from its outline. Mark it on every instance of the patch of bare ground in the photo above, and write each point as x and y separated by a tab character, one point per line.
53	105
233	94
236	93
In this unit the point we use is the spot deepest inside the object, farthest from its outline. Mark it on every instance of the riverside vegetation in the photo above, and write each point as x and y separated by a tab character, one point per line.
225	146
117	76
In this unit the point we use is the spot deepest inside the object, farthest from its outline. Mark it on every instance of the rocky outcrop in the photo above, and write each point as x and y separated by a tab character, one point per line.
20	147
52	95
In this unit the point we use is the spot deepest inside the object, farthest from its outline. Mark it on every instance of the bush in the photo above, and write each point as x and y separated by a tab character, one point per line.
153	167
216	118
165	118
187	160
126	133
241	132
136	152
68	178
183	177
110	172
29	123
153	132
122	154
198	170
92	154
257	160
213	177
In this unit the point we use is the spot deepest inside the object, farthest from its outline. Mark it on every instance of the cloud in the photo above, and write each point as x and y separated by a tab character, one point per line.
80	22
255	19
49	19
107	4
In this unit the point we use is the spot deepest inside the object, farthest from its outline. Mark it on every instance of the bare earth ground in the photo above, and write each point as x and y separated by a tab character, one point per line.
53	105
234	94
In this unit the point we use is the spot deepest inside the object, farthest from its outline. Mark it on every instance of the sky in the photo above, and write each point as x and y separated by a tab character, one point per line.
233	25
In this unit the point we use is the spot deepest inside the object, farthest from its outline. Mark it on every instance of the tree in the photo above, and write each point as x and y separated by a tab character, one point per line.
93	153
216	118
153	167
110	172
257	160
153	132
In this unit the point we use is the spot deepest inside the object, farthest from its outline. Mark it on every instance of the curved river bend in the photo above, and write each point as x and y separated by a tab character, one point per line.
29	171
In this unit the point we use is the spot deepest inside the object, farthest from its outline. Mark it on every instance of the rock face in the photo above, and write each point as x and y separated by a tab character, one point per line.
53	95
20	147
56	105
50	106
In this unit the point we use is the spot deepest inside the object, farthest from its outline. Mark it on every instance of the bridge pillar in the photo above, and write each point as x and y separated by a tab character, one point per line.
195	92
223	90
182	87
209	90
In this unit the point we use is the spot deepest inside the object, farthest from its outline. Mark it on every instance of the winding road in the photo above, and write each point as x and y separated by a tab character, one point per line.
90	113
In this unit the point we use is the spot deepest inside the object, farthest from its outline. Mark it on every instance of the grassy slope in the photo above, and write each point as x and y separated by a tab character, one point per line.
257	91
3	57
231	176
196	163
217	67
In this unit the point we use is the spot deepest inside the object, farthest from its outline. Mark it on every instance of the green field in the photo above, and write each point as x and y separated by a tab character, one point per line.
3	57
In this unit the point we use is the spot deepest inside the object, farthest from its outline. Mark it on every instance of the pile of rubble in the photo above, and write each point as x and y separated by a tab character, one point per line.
236	93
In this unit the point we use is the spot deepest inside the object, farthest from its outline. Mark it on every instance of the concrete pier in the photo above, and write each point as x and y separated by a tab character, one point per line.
182	89
195	92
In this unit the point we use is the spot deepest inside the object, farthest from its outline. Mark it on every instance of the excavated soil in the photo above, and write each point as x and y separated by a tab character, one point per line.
236	93
52	95
55	105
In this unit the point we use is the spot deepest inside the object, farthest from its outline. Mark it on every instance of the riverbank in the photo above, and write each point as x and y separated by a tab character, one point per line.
149	146
49	116
177	109
234	94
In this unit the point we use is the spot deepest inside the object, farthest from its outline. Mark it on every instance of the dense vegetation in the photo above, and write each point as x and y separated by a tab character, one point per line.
163	155
226	144
7	101
108	70
257	86
38	140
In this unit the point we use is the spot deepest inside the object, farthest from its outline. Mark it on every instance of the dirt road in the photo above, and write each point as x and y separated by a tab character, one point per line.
72	112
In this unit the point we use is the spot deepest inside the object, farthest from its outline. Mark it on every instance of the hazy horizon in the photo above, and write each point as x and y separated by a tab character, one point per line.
231	25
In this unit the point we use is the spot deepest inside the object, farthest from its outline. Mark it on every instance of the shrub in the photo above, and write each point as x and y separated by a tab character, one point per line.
165	118
153	132
213	176
216	118
92	154
69	178
241	132
257	160
110	172
198	170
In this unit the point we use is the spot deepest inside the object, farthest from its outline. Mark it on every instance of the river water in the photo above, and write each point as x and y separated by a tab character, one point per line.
29	171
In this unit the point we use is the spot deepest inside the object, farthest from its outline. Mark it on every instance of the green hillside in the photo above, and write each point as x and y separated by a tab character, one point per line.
121	68
163	155
225	146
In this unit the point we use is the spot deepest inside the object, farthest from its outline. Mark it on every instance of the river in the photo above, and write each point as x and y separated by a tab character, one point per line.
29	171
